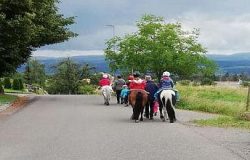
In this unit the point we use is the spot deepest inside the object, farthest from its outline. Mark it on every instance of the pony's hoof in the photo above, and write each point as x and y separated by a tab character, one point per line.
141	119
171	121
136	121
163	120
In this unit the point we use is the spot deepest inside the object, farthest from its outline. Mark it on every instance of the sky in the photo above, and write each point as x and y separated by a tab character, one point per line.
224	24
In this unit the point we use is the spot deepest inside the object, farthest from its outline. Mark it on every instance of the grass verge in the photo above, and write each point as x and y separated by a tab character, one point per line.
228	102
225	122
7	99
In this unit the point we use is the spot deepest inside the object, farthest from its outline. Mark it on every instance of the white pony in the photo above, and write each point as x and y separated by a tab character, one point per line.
167	98
106	92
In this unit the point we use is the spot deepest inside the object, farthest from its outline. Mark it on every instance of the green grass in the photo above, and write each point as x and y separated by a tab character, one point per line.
213	99
7	99
228	102
14	91
225	122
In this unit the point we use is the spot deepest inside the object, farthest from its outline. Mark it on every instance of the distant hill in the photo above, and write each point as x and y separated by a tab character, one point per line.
235	63
97	61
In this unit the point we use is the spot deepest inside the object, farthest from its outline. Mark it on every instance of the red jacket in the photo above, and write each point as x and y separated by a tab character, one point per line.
104	82
137	84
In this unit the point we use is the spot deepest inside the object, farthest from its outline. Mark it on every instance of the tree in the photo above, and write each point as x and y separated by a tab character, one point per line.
27	25
157	47
7	83
66	79
86	70
16	84
35	73
1	87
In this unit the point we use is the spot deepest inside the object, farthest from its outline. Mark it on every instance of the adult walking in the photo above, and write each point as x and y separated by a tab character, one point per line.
151	88
119	82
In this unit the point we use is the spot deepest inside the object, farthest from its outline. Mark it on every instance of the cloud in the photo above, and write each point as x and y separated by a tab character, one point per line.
224	25
225	35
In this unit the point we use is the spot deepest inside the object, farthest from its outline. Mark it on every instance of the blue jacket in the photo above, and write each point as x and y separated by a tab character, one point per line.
166	83
124	92
152	88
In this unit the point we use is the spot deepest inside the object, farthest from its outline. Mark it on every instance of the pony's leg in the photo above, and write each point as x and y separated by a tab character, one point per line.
170	111
160	109
133	115
142	109
165	113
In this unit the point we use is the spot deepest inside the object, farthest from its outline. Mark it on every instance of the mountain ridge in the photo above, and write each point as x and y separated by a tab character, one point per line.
235	63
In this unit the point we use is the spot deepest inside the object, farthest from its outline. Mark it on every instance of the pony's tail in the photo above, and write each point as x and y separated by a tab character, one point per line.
138	104
170	110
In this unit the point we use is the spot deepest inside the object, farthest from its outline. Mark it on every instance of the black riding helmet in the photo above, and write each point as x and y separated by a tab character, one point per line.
136	74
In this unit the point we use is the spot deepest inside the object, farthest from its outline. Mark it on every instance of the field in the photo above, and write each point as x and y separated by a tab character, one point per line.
228	102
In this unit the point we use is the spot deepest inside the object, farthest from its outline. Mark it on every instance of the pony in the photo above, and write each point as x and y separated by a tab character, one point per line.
138	99
106	92
167	103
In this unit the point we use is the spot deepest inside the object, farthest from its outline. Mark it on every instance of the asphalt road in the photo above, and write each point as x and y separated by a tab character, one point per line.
82	128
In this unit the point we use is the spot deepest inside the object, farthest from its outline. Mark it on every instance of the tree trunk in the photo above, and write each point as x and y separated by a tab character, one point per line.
1	90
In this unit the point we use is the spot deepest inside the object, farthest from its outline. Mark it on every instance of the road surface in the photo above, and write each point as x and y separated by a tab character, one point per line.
82	128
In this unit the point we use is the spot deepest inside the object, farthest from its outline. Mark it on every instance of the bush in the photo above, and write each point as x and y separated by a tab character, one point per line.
88	89
185	82
7	83
94	79
16	84
21	84
207	81
245	83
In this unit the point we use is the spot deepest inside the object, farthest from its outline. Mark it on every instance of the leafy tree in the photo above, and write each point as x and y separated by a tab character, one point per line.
35	73
21	83
16	84
157	47
86	70
66	79
27	25
1	87
7	83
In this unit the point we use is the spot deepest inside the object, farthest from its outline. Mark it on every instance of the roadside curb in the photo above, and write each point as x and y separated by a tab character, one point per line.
20	103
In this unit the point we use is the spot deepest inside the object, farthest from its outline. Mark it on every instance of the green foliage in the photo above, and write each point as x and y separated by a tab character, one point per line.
7	83
1	87
185	82
207	81
158	47
35	73
16	84
66	79
27	25
213	99
87	89
87	71
21	84
245	83
7	99
225	121
94	79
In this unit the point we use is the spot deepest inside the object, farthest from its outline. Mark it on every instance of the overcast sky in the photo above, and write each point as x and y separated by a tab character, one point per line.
224	24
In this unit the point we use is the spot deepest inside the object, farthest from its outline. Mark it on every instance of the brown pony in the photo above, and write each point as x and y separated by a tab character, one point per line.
138	99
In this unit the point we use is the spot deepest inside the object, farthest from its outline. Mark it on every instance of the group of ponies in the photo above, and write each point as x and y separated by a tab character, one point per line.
139	98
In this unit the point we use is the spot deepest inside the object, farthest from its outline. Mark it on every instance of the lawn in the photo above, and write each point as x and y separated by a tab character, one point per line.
226	101
7	99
